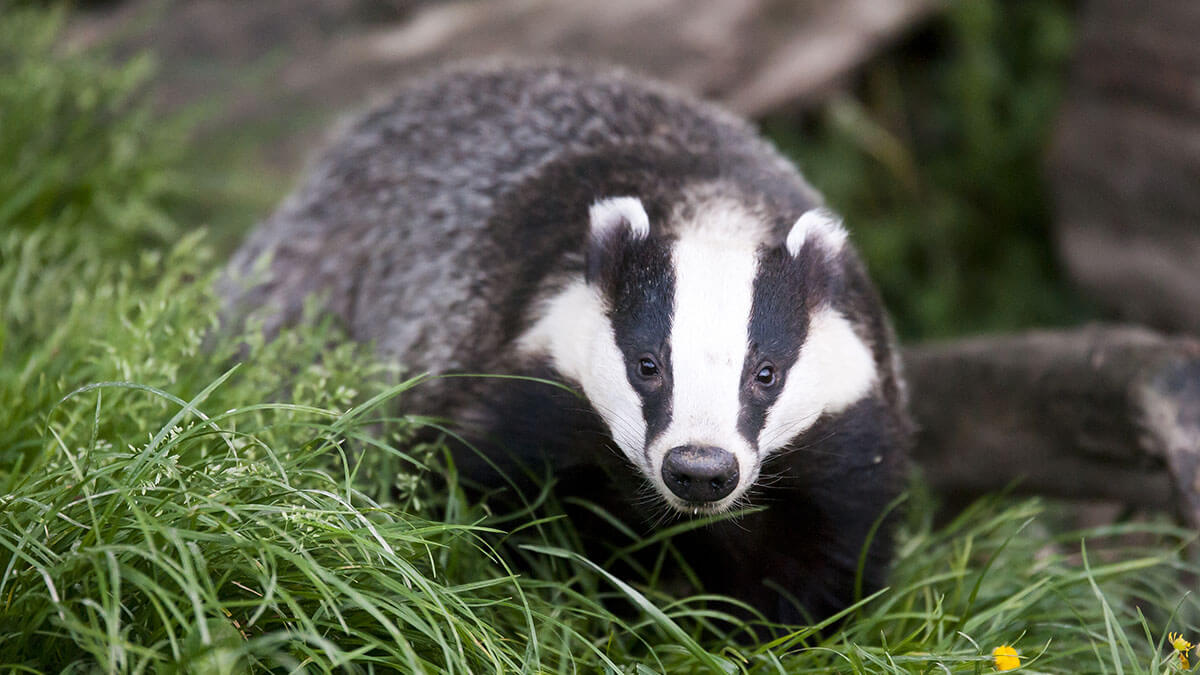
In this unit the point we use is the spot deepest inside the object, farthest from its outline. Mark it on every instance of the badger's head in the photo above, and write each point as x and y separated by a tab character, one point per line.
706	345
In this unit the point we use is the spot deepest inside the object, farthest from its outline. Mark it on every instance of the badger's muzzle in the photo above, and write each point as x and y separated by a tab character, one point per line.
700	473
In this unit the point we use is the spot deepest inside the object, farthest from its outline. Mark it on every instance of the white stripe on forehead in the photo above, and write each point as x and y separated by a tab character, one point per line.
714	291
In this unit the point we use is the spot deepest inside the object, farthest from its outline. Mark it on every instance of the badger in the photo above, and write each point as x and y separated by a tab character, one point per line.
715	339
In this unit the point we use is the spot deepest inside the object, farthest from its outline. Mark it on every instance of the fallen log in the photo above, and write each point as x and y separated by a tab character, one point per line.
324	57
1095	413
752	55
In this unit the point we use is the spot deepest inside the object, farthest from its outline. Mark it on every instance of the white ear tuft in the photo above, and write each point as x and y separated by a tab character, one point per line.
613	212
819	225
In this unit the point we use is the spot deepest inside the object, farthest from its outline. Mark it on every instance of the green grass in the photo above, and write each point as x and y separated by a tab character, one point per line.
178	499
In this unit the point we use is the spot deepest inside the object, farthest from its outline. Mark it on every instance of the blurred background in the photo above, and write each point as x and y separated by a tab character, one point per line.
1001	164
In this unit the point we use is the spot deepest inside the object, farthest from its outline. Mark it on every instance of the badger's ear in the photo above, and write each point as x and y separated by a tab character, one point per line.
615	222
820	228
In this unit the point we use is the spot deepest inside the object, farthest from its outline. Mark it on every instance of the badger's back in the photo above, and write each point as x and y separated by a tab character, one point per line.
437	217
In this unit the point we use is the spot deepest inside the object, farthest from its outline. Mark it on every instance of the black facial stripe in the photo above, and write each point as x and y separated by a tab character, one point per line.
786	292
642	299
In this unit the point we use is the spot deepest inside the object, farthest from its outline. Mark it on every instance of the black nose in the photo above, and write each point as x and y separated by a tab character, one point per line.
700	474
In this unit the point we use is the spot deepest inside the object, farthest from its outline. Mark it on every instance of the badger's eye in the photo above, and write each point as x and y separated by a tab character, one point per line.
647	367
765	377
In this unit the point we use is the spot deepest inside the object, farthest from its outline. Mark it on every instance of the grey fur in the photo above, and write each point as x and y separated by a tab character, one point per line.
393	221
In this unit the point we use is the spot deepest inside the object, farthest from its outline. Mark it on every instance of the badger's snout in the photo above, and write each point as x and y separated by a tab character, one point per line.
697	473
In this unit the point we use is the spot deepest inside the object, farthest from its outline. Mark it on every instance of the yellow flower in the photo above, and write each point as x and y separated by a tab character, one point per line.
1006	658
1182	647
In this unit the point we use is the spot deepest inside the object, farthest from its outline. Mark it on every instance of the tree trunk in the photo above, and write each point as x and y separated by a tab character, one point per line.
1126	161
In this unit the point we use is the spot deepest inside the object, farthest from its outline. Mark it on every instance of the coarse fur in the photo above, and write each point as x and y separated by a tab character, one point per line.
652	253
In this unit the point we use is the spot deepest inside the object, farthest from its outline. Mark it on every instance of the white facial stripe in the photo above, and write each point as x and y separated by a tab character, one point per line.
835	369
717	217
575	332
714	290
